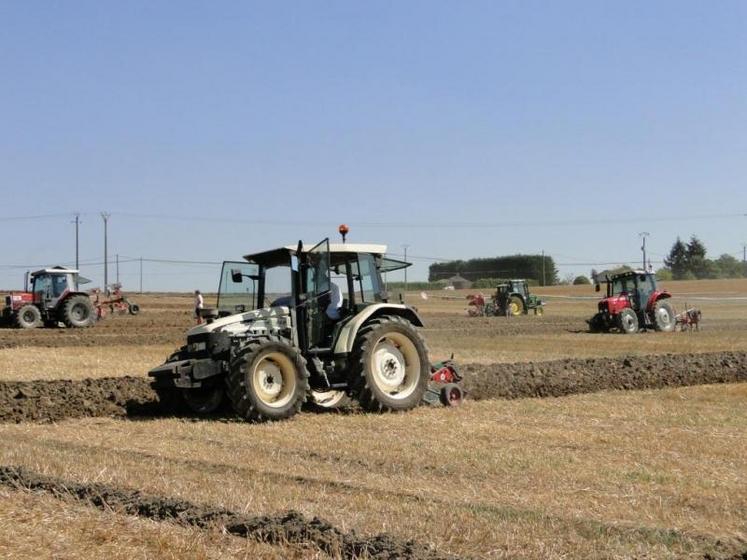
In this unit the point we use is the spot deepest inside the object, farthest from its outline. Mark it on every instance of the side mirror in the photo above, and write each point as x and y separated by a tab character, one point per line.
236	275
597	287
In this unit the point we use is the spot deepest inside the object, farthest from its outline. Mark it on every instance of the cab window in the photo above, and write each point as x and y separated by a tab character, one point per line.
367	279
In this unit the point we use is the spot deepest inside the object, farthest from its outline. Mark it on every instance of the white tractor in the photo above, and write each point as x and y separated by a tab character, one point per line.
270	345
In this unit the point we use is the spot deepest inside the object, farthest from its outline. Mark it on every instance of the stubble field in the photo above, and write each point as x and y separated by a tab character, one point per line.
571	445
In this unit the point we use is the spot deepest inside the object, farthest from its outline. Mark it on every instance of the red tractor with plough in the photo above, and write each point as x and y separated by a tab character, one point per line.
55	298
633	302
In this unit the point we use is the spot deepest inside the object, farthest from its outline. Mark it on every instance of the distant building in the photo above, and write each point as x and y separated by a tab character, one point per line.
459	282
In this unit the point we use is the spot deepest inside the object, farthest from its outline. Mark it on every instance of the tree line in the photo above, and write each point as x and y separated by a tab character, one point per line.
514	266
688	261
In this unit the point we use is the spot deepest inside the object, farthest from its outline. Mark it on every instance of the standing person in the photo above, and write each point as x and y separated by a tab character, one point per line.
199	304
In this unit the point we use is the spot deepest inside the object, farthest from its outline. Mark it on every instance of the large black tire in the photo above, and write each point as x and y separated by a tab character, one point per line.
390	368
28	317
597	324
627	321
133	308
78	312
268	380
663	316
170	400
515	306
207	399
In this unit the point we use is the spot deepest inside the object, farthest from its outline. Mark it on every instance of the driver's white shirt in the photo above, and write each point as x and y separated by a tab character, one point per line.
335	302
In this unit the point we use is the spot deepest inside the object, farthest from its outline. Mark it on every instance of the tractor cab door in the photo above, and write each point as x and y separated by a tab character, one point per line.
44	291
317	286
645	287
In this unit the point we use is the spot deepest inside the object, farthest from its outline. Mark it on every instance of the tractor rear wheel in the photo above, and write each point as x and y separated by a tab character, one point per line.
515	306
268	380
28	317
627	321
78	312
663	314
390	365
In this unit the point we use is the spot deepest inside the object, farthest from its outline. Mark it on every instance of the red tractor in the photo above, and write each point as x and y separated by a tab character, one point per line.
54	298
633	302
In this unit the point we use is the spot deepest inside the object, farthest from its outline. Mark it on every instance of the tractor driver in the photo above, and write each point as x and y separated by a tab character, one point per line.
335	302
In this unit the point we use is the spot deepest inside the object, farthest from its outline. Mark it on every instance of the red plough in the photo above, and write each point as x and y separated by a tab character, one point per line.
444	385
113	302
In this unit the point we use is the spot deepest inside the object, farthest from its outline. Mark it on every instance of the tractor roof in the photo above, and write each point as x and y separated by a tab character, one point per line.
278	256
55	270
607	275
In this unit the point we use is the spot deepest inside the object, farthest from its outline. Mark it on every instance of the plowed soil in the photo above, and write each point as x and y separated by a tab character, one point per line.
289	527
132	396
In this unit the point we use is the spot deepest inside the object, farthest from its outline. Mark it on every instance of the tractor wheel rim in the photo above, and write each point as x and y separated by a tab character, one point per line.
327	399
274	379
663	315
78	312
28	316
395	364
455	396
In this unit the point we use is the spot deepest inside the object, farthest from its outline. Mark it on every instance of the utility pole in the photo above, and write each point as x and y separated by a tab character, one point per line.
77	224
405	248
105	217
644	235
141	275
117	258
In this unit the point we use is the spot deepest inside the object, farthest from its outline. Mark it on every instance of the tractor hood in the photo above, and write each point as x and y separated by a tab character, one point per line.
239	322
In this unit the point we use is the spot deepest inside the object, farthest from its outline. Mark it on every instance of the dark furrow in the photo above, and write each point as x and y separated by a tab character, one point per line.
290	527
22	401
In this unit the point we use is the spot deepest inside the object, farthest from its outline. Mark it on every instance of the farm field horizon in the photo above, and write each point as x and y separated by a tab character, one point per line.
549	457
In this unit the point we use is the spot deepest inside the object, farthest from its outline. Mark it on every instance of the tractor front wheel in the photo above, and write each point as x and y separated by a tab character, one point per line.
28	317
627	321
329	400
268	380
78	312
207	399
664	320
390	365
515	306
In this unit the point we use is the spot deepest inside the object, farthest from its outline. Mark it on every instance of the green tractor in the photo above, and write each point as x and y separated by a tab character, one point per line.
513	298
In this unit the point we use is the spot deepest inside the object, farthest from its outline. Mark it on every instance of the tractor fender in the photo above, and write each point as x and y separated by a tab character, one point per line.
348	333
657	295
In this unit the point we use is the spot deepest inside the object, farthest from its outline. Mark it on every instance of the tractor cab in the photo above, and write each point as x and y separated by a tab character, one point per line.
50	285
298	283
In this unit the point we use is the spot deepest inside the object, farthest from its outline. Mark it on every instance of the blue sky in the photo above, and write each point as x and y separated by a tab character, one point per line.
462	129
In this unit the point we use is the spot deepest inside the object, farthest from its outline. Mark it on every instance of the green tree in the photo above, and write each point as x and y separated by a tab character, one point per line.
663	274
729	267
581	280
677	260
697	263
